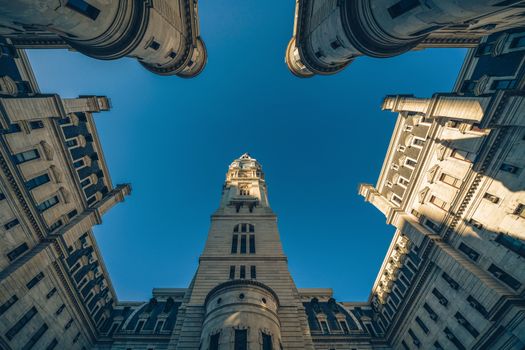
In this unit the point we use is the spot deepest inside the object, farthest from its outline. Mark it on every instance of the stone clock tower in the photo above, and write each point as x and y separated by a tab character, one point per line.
242	296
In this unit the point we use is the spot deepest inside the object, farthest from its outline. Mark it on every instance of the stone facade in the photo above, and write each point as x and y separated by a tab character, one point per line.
162	35
328	34
452	184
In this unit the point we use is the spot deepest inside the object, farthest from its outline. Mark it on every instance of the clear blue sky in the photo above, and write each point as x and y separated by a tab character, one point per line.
317	139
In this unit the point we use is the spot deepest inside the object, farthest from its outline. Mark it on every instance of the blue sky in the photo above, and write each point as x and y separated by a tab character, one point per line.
317	139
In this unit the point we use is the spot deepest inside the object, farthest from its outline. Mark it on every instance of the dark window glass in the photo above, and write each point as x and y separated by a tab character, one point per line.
234	244
252	244
158	326
82	7
431	312
72	213
504	84
324	327
415	339
453	284
48	203
432	225
34	339
7	305
466	324
511	243
253	272
140	324
517	42
154	45
15	253
242	271
214	341
509	168
243	228
252	228
53	344
241	339
453	339
78	163
344	327
36	124
484	49
402	7
173	54
405	346
477	305
441	298
13	128
34	281
26	156
17	327
267	341
2	196
437	345
51	293
504	277
76	338
336	44
37	181
243	244
471	253
55	225
422	325
85	182
60	309
236	228
232	272
71	143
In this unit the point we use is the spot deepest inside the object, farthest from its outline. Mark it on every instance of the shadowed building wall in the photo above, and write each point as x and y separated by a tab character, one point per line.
162	35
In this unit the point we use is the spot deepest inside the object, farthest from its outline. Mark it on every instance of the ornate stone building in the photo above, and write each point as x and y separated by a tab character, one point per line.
452	184
162	35
328	34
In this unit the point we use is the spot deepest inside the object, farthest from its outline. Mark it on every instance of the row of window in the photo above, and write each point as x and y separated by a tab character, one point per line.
500	274
242	272
243	244
241	340
15	127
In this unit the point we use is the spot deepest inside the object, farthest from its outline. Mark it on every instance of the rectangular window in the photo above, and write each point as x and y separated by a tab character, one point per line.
232	272
235	239
471	253
517	42
241	339
511	243
243	227
48	203
410	163
154	45
34	281
158	326
418	142
438	202
51	293
2	196
140	324
72	214
415	339
324	327
344	326
450	180
26	156
253	272
466	324
441	298
477	305
509	168
431	312
243	244
34	339
267	341
453	339
491	197
15	253
396	199
242	272
53	344
252	244
432	225
214	341
503	84
60	309
21	323
11	224
405	346
402	181
504	277
15	127
453	284
82	7
402	7
422	325
7	305
36	124
37	181
55	225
